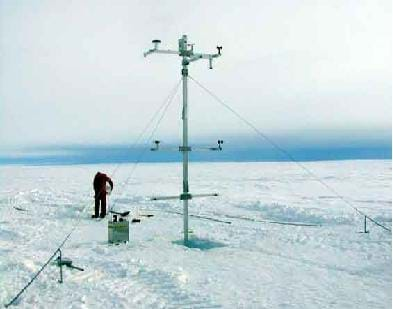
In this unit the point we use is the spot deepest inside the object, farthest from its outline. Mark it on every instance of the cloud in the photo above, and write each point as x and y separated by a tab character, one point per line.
73	72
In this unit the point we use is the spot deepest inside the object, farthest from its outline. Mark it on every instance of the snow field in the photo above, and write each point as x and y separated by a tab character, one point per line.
245	264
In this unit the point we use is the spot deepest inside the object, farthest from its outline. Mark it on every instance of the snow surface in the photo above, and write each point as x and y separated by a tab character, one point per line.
245	264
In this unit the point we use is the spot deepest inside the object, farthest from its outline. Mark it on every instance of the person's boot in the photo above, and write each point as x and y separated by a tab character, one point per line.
94	216
103	215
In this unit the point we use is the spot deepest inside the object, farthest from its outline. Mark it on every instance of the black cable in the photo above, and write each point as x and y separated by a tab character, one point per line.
197	216
38	272
273	222
286	153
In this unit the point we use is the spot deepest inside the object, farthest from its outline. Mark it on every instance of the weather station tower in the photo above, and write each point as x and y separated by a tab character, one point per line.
187	54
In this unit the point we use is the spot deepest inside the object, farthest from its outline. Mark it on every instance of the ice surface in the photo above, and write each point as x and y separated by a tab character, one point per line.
245	264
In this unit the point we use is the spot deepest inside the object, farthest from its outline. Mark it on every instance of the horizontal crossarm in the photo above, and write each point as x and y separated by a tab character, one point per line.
181	196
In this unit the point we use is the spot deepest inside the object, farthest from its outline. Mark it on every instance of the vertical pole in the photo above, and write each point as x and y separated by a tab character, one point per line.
365	224
185	151
61	267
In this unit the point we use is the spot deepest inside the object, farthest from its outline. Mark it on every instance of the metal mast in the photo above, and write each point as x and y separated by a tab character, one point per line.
186	51
185	149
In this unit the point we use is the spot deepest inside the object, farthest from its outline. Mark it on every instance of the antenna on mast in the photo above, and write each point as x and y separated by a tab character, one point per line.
186	51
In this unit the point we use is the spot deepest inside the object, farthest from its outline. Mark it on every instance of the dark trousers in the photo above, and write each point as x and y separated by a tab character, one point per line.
101	199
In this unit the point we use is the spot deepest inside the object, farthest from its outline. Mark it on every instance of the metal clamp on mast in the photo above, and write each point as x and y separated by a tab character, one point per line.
186	51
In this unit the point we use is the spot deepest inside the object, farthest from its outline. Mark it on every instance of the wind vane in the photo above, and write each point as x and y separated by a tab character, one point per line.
186	51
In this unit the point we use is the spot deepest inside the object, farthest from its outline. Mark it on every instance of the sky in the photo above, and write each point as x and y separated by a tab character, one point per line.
73	72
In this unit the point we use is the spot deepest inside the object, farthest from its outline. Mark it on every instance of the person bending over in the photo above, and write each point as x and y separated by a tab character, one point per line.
99	184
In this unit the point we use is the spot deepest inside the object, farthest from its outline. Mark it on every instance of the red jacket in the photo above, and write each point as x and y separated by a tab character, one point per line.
99	184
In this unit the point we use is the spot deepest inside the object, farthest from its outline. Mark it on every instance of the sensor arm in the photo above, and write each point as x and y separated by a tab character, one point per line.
188	54
210	57
155	49
158	147
203	56
160	51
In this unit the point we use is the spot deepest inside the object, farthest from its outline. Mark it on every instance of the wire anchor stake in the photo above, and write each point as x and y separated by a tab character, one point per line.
365	225
65	262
